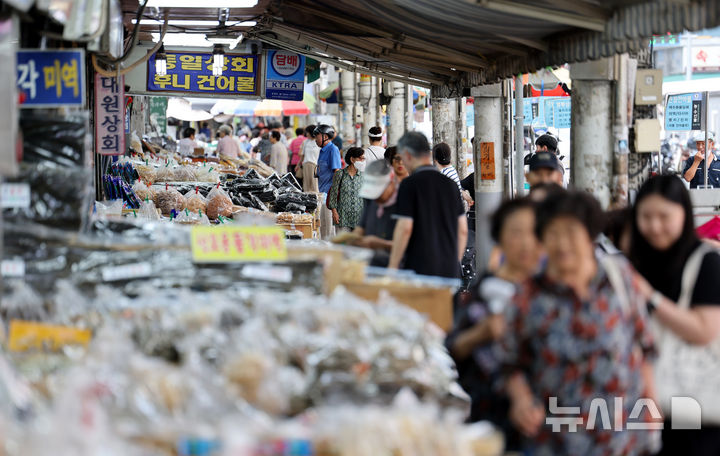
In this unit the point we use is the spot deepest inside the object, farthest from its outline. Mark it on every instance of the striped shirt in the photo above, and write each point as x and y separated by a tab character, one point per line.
452	174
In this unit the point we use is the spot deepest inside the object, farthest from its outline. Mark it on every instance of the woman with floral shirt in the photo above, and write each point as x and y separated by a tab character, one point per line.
344	195
578	332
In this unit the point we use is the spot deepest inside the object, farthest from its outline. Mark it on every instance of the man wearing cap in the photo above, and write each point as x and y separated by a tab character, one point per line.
377	223
328	163
695	167
431	231
545	168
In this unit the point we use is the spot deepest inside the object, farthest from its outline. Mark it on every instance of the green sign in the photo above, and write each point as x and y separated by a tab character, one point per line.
158	114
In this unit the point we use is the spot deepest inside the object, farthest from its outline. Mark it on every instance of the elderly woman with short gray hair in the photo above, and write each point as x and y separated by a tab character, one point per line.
227	147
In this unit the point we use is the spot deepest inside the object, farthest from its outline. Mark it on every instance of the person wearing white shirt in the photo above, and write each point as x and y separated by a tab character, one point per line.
187	145
375	151
309	158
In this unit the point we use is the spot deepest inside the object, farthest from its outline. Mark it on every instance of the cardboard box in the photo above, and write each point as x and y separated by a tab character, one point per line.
436	303
305	228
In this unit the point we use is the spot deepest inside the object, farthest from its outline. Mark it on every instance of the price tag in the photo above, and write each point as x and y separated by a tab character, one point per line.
236	244
12	268
15	196
281	274
126	271
27	335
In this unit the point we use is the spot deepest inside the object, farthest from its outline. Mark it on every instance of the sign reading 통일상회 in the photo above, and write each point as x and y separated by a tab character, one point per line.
285	76
109	115
51	78
192	72
684	111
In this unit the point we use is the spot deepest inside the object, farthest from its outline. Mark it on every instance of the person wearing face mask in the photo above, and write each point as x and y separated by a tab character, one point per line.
344	196
680	282
695	168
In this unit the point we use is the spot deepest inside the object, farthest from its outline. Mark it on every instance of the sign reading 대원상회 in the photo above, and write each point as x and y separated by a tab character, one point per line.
109	115
51	78
233	244
684	111
285	78
192	72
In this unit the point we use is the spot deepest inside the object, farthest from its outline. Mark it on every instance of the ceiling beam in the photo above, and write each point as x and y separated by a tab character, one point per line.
544	14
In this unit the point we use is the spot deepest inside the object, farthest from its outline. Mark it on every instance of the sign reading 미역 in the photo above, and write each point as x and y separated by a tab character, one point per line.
51	78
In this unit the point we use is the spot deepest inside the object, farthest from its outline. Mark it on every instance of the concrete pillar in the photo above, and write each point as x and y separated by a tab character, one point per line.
444	124
347	88
591	136
625	72
488	188
462	141
137	117
396	113
519	157
367	99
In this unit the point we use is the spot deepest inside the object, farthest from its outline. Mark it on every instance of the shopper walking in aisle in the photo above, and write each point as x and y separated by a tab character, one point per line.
278	154
309	157
187	145
328	163
375	151
226	147
296	149
577	334
682	290
695	168
396	161
431	232
480	323
443	156
344	198
544	168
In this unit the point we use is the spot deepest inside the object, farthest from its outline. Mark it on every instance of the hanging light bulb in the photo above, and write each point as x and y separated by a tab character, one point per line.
218	60
161	61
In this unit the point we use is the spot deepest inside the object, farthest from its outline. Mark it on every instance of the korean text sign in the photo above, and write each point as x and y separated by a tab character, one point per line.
109	115
285	78
228	244
684	111
51	78
192	72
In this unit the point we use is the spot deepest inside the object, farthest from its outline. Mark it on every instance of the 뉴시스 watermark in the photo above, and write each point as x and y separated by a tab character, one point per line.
685	413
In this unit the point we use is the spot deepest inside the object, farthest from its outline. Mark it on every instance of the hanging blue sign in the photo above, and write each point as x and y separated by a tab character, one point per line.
51	78
684	111
561	109
191	72
285	76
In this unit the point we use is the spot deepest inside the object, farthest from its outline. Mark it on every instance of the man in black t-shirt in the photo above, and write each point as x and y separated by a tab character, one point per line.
431	231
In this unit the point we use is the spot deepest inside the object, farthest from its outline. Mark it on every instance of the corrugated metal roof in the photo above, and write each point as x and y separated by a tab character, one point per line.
462	43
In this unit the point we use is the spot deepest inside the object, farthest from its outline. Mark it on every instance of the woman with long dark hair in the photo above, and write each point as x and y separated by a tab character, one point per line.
681	285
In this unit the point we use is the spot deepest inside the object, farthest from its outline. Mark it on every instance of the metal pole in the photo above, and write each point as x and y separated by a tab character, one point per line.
519	156
508	139
707	114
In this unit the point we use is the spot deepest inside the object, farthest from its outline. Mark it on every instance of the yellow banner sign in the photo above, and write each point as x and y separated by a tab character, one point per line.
236	244
28	335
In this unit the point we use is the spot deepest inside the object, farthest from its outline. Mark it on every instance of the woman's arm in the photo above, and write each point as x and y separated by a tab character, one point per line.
333	192
698	325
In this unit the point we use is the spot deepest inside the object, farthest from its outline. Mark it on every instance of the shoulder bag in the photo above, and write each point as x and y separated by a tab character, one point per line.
337	196
685	370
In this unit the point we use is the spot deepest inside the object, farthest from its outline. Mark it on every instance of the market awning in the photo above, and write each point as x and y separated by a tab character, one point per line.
181	109
462	43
